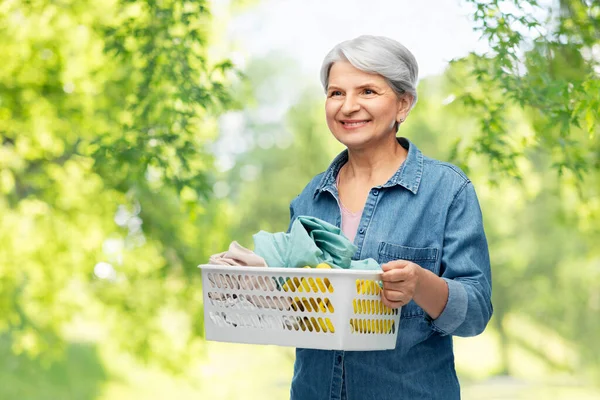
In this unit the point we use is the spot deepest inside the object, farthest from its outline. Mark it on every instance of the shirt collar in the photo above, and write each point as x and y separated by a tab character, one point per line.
408	175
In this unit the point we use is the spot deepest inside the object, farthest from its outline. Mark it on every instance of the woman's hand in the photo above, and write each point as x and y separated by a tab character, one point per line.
404	281
400	282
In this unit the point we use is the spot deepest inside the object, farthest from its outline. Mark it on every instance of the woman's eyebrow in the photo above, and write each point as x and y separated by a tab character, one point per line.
364	85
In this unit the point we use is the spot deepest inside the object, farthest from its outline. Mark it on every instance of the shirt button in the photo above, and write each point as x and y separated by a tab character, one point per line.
375	192
339	359
361	231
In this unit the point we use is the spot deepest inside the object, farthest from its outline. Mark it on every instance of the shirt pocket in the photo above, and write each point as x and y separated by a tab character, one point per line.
426	257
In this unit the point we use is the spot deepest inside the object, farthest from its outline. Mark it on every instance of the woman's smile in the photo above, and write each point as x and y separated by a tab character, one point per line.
351	124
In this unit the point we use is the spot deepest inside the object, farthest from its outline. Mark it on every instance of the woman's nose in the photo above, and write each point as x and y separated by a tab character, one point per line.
350	105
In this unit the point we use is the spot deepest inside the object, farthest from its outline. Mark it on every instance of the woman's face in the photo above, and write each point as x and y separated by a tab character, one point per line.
361	108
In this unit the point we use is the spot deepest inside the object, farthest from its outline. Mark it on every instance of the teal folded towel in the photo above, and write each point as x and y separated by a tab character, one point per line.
311	241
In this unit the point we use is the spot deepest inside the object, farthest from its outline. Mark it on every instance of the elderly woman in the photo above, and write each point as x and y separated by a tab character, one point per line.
417	216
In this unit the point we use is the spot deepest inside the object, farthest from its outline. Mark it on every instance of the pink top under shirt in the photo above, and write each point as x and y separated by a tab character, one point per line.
350	220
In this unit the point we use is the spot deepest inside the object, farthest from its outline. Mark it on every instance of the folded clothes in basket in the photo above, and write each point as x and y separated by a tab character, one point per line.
311	241
237	255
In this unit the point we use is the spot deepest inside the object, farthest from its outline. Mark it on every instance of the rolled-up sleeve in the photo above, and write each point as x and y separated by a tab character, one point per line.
465	267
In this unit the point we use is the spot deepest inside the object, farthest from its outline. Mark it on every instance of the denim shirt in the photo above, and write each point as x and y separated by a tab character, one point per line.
427	213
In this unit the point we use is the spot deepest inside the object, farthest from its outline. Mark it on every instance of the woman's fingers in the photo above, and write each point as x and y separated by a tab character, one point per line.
396	296
391	304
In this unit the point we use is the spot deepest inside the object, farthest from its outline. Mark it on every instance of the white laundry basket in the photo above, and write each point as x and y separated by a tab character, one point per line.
331	309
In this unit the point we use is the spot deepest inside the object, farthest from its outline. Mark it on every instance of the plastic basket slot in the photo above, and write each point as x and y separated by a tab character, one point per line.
368	287
290	323
313	286
299	304
301	323
217	281
321	285
276	303
372	307
328	285
244	281
224	283
289	286
259	321
297	284
241	320
322	324
269	302
283	303
315	324
310	304
272	322
330	326
280	283
265	283
231	301
372	326
314	305
305	285
311	324
229	280
215	298
322	305
222	300
268	285
307	305
328	304
235	281
221	283
258	283
272	284
224	319
262	302
254	299
216	319
245	303
211	280
308	324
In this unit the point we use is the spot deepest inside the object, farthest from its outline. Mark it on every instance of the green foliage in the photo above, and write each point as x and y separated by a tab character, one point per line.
544	65
105	112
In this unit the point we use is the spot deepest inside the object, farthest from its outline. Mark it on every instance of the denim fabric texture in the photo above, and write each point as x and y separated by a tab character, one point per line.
427	213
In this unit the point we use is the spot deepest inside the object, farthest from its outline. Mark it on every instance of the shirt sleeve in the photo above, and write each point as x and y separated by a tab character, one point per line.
465	267
292	215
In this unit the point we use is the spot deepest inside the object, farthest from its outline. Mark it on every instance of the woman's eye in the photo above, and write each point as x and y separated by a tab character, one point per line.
335	93
369	91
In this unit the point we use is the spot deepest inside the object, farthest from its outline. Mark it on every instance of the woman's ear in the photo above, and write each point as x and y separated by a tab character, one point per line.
404	104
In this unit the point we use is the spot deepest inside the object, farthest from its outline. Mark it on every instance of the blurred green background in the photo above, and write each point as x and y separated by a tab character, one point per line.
137	138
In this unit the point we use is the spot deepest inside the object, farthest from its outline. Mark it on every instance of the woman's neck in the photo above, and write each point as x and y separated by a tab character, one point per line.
375	165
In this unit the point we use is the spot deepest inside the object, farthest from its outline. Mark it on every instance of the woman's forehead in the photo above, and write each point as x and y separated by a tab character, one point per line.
343	74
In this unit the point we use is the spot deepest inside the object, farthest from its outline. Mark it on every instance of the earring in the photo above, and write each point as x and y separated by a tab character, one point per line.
401	120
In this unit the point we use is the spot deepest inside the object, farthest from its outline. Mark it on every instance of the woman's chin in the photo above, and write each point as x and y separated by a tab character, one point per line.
352	136
355	140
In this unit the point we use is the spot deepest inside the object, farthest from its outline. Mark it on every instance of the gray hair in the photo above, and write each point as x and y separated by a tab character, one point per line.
377	55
